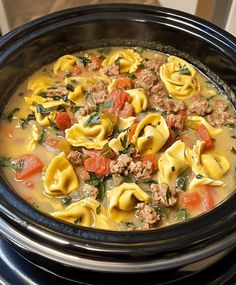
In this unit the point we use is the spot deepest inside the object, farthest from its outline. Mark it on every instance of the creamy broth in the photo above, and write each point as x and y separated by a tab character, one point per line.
121	139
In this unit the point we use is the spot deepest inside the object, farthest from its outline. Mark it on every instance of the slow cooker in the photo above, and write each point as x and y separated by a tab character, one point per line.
164	254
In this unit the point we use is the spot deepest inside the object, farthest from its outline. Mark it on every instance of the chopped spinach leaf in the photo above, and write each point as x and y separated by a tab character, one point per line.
124	141
40	109
233	150
67	200
5	161
98	209
97	182
18	166
211	97
117	61
93	120
78	220
129	149
181	183
70	87
183	70
24	122
104	51
168	196
160	210
42	137
11	114
230	125
182	215
84	60
131	76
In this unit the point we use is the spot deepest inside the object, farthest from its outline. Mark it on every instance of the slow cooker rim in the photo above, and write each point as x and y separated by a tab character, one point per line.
8	38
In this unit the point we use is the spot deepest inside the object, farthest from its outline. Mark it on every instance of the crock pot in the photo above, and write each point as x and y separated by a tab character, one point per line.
180	249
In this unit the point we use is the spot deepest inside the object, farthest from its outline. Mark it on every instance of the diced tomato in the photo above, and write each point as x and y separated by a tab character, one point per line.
151	158
172	135
205	136
124	82
63	121
207	197
30	165
191	200
127	111
99	165
131	131
76	70
84	175
30	184
118	98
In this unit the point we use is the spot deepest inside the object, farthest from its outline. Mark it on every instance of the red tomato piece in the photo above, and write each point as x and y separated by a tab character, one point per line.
205	136
99	165
151	158
191	200
76	70
131	131
30	165
63	121
124	82
118	98
95	62
207	197
127	111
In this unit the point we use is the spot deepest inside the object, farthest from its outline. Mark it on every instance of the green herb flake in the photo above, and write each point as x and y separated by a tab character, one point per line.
230	125
181	183
93	120
233	150
117	61
98	209
18	166
40	109
5	161
70	87
9	117
42	137
24	122
182	215
124	141
98	183
84	60
184	70
78	220
104	51
67	200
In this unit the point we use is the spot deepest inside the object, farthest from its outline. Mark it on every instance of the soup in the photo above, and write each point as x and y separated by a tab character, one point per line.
120	139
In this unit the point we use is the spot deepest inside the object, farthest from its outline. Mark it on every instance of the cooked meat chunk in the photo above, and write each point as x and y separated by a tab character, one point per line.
90	191
167	105
164	194
88	109
180	106
95	64
147	214
99	91
112	70
221	105
178	121
59	91
159	90
218	119
142	171
154	64
120	166
145	79
200	106
75	157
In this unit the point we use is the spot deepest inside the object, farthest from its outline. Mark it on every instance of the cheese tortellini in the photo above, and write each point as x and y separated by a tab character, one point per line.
84	212
128	60
77	95
94	136
179	78
60	178
138	99
64	63
40	83
151	134
194	122
123	199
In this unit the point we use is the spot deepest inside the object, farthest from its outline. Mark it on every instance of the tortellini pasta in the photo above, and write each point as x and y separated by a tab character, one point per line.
179	78
172	162
77	95
60	178
194	122
128	60
93	136
123	199
64	63
151	134
84	212
34	138
215	164
40	83
138	99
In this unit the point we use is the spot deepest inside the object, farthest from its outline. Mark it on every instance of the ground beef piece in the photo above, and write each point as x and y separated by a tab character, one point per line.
200	106
164	194
95	64
90	191
120	166
59	91
147	214
221	105
75	157
180	106
86	110
167	105
145	79
142	171
112	70
159	90
154	64
99	91
218	119
178	121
